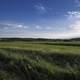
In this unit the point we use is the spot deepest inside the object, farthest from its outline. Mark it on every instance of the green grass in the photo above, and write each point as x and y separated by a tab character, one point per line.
42	47
39	61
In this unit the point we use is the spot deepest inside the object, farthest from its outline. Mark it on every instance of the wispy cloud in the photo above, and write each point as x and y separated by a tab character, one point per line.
49	28
73	31
38	27
40	8
77	3
12	26
74	25
74	17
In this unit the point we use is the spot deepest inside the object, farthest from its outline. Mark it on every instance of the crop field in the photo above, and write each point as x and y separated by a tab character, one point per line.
23	60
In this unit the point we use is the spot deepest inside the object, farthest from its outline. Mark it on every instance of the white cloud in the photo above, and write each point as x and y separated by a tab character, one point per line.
74	28
20	26
47	32
48	28
43	28
74	17
12	26
38	27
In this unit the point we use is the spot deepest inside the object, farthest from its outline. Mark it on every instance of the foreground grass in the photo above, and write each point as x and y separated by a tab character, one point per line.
35	61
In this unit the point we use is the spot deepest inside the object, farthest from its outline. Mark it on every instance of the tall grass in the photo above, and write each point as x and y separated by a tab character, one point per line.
20	64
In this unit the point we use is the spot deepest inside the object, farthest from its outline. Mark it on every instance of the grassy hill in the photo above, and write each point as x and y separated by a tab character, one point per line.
45	60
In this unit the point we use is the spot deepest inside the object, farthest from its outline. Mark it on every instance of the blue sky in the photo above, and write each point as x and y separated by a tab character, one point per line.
40	18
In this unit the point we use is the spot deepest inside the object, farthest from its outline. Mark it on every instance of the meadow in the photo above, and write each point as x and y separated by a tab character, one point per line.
44	60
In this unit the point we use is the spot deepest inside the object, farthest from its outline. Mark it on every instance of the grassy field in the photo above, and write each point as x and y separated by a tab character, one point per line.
21	60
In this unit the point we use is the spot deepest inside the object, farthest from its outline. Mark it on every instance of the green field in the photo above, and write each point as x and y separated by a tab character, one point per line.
23	60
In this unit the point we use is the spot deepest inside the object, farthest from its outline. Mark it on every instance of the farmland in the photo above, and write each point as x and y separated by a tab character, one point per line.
39	60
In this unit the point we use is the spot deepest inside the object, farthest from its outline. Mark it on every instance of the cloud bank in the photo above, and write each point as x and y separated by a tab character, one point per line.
19	30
